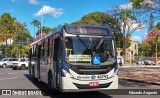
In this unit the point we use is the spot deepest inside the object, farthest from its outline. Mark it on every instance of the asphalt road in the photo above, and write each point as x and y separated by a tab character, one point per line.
20	79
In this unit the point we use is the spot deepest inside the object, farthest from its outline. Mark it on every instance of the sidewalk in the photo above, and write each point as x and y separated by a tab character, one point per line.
143	76
135	65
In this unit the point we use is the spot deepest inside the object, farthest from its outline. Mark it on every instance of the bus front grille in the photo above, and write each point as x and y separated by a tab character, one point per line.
91	71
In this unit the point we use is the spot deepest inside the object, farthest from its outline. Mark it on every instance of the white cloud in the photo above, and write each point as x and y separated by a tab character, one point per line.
33	1
129	5
126	6
56	12
137	38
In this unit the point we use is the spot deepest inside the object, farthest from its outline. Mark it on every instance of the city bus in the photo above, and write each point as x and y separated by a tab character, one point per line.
75	58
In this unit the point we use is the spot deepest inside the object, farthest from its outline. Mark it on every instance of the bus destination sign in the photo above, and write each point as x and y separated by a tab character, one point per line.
88	30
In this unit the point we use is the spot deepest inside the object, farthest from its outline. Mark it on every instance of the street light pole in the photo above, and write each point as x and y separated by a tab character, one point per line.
157	35
156	53
42	22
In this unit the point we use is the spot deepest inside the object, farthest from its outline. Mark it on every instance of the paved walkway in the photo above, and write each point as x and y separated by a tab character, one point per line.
151	76
135	65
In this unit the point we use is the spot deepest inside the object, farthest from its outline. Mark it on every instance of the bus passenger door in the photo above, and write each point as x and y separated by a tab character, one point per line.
43	61
57	61
38	61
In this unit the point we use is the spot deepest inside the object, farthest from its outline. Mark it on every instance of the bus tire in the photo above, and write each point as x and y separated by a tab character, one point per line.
33	74
50	80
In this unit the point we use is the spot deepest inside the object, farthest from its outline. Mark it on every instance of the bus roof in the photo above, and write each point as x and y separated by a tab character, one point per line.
79	29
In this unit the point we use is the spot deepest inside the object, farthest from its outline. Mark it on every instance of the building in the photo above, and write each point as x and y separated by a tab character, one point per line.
8	42
131	52
39	36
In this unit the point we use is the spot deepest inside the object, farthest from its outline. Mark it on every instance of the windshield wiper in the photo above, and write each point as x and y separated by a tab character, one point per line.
100	43
82	41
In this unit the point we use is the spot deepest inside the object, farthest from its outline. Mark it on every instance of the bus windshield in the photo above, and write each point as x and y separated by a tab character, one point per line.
81	50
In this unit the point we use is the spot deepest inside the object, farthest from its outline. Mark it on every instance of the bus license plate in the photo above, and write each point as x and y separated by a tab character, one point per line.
93	83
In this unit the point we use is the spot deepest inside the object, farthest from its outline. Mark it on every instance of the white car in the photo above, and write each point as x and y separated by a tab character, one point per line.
8	62
22	64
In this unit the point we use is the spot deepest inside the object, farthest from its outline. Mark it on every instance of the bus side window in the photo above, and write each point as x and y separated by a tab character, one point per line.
42	49
51	47
46	48
56	49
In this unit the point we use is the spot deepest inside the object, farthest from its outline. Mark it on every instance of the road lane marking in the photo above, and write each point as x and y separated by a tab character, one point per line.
8	74
8	78
11	73
2	74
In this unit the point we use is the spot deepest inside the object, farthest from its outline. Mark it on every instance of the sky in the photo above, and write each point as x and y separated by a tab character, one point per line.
56	12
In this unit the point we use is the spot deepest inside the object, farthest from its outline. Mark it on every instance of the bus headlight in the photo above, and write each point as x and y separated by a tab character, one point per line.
67	74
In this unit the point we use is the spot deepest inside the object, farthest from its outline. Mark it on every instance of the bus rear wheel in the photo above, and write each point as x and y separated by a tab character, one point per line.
50	81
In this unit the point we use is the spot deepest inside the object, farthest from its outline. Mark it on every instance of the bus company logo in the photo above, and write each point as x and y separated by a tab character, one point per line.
6	92
83	77
93	77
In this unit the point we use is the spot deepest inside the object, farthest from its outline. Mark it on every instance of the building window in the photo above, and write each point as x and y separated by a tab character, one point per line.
135	47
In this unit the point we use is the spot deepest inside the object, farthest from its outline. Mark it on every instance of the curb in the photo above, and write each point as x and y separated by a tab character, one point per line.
141	81
139	66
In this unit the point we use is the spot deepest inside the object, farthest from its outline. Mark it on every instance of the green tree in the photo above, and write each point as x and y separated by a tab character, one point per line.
151	22
100	18
158	26
35	23
15	51
11	28
7	28
128	25
45	30
22	33
146	7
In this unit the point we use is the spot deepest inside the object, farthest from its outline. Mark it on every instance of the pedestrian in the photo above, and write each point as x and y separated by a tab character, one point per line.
120	62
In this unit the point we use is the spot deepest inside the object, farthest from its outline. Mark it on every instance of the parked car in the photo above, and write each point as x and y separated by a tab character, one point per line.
140	62
149	62
7	62
21	64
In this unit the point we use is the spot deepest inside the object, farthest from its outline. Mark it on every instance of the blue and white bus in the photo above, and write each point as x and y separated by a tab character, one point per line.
76	58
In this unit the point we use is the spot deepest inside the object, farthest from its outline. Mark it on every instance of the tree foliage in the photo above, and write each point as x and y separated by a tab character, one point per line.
11	28
100	18
45	30
7	27
146	7
149	44
128	24
15	50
